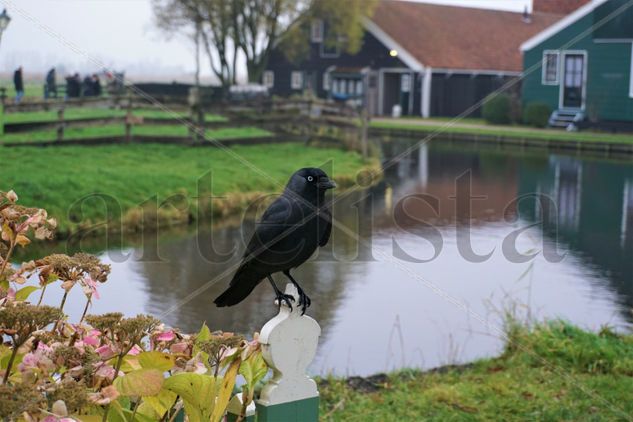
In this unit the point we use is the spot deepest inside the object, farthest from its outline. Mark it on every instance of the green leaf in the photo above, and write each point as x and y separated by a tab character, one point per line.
148	410
162	402
204	334
225	390
156	360
25	292
142	382
115	411
6	356
198	393
130	363
254	369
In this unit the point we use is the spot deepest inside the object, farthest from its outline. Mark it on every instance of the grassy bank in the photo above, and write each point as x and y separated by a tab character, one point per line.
114	130
506	131
128	177
554	371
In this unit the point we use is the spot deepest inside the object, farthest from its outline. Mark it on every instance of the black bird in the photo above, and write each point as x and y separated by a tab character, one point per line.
288	234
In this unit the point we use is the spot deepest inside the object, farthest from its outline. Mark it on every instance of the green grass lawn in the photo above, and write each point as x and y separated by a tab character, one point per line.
554	372
57	178
530	133
31	89
74	113
88	132
465	120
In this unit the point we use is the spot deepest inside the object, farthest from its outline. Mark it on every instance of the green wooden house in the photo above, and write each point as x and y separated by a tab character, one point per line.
582	66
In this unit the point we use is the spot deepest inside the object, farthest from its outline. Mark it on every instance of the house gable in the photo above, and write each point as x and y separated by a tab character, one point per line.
608	64
561	25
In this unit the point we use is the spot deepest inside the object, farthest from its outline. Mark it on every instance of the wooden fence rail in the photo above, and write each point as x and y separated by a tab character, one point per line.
304	117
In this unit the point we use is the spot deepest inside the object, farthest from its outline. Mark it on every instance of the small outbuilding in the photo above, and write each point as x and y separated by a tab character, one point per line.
582	66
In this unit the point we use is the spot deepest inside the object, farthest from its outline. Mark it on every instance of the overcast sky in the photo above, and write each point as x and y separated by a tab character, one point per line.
85	35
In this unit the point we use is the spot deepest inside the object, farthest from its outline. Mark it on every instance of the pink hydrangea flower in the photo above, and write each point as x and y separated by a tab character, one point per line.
135	350
179	347
166	336
106	352
37	359
90	287
106	371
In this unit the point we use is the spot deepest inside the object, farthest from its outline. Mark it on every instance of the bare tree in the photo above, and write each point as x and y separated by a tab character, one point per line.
255	27
209	22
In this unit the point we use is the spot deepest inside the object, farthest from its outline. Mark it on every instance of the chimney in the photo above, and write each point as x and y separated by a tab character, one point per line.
527	18
560	7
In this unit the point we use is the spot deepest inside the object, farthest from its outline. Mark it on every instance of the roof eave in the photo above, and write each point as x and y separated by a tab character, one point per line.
406	57
561	24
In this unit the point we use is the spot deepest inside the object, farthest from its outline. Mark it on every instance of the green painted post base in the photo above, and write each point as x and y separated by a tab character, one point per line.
306	410
230	417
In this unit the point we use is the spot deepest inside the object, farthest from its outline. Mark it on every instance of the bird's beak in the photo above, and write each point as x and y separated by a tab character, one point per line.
326	184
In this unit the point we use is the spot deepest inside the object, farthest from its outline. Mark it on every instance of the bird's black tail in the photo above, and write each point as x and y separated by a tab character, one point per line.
243	283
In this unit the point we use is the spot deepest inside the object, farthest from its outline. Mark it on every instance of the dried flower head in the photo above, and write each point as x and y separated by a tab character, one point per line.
105	322
74	394
20	320
16	399
132	330
16	221
218	346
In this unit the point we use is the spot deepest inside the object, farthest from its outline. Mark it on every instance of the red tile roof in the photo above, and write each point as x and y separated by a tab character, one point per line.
459	37
557	6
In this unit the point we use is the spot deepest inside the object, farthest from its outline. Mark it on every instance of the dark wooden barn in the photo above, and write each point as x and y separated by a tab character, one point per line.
431	60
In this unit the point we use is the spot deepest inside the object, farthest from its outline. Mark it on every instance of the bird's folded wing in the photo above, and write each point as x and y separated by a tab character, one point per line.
275	220
325	218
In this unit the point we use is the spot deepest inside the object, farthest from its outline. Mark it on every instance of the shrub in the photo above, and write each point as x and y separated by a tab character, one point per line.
536	114
104	367
498	109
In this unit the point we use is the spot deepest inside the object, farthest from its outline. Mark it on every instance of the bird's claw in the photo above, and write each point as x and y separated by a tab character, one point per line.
304	301
286	299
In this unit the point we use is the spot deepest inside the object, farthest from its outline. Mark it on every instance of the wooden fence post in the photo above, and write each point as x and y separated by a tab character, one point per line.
289	344
60	125
196	116
364	115
128	120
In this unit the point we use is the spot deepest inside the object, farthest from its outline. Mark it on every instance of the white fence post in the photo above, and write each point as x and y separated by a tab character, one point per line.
289	343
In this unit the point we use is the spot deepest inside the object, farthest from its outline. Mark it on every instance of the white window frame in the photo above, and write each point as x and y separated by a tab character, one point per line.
296	79
327	81
268	78
405	82
330	55
561	73
631	76
316	30
547	53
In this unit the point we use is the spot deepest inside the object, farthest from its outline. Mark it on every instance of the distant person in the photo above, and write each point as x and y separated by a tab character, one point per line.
73	86
50	90
18	81
96	85
88	87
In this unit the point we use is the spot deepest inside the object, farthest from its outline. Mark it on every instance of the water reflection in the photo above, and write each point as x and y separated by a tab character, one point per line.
375	315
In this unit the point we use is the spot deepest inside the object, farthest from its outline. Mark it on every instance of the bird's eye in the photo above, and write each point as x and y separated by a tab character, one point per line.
310	178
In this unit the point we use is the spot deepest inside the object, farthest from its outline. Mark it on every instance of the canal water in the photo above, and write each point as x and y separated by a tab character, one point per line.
423	266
